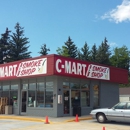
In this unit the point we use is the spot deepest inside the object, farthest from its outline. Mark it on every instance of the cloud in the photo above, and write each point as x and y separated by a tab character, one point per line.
113	44
120	13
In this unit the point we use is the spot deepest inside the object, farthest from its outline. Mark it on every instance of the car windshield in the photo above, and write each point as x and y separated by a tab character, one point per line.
114	106
120	105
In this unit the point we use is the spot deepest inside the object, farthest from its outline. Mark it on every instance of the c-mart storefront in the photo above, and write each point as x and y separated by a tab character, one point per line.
53	85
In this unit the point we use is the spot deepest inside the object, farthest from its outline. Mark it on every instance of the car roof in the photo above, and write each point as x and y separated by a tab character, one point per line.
125	101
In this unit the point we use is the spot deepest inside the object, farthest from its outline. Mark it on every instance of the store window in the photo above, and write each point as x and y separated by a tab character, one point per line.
96	96
75	94
6	87
65	85
0	87
85	95
85	100
14	95
75	98
25	86
74	86
5	92
14	86
49	94
32	95
40	94
0	90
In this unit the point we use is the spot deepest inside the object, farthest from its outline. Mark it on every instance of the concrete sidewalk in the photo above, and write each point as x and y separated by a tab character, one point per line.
51	120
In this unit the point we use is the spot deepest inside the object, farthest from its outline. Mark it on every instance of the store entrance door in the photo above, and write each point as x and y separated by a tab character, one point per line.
66	102
23	101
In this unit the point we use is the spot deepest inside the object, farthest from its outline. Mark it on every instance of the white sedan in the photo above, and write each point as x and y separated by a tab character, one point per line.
120	113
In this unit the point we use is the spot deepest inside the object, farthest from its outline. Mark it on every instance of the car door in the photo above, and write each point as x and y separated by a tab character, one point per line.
127	112
117	112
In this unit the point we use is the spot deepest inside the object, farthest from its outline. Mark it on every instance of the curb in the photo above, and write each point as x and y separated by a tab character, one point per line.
40	119
80	119
22	118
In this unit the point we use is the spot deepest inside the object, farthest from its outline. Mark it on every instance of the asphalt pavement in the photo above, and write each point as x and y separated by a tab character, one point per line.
11	124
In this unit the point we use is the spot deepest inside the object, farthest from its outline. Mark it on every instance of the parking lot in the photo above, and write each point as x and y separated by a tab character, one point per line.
9	124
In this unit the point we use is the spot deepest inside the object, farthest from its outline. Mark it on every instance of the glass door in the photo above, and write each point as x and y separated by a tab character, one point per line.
23	101
66	102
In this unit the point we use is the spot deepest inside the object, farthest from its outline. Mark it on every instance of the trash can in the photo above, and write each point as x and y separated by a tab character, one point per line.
8	109
76	110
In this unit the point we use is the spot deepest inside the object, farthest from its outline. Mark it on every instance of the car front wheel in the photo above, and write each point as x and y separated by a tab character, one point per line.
101	118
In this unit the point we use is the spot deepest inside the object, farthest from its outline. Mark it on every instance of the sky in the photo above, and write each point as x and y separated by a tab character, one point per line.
51	22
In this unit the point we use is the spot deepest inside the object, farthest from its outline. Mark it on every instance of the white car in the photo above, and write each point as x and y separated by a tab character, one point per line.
120	113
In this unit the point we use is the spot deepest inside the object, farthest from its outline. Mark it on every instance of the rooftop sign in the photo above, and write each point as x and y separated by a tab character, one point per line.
81	69
24	68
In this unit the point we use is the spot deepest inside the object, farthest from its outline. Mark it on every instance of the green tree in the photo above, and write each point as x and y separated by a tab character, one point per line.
85	52
104	53
4	46
79	54
19	45
93	54
121	58
62	51
69	49
44	50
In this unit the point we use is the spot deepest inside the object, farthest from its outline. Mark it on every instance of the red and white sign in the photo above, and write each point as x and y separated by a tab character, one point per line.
81	69
25	68
98	72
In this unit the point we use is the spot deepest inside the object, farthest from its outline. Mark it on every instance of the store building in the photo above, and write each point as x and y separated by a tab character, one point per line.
53	85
